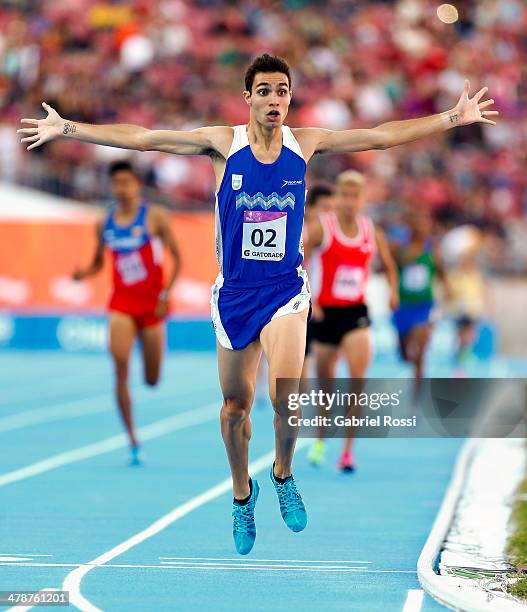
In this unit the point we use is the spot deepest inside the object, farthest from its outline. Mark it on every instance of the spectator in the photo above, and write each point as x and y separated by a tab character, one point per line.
179	63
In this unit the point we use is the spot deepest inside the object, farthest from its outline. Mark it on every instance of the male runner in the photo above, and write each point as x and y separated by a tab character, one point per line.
419	264
135	233
347	241
260	299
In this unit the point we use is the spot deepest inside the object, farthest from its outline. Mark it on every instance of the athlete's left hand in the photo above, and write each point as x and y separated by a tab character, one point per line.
394	300
162	307
78	274
471	110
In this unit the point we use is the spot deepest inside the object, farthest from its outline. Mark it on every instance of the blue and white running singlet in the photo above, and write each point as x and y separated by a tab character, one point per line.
259	219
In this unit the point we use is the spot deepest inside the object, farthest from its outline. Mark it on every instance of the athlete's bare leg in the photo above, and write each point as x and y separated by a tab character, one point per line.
357	349
304	376
284	344
260	400
326	356
237	370
416	344
122	335
306	367
152	343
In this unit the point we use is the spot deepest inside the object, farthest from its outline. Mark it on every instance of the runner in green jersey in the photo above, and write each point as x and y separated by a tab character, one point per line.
419	266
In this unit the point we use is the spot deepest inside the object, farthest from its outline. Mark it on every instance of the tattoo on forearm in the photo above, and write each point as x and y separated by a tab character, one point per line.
454	117
69	128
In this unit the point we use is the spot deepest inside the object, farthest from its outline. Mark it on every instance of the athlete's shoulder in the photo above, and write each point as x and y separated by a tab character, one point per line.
158	216
308	132
220	138
155	210
102	223
105	217
309	139
369	223
219	131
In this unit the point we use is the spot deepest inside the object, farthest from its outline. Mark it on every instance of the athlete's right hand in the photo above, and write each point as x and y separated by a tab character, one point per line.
394	300
42	130
317	314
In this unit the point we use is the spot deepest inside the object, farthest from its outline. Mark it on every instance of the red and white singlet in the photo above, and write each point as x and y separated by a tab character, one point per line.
137	267
345	262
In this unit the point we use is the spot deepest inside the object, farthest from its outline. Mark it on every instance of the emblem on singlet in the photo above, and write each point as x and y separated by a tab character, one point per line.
244	200
236	181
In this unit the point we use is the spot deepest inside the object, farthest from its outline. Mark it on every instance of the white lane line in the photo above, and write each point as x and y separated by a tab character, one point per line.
71	409
10	392
414	600
154	430
24	555
73	579
258	560
356	570
257	565
226	566
84	370
11	564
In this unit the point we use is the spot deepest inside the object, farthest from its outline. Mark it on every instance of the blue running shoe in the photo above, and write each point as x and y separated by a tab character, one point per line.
136	456
243	527
291	505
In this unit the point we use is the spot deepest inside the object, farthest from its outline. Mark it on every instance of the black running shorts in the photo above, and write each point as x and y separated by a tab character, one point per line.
338	321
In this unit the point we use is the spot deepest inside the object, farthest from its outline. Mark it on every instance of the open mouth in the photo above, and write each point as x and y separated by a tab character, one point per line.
273	114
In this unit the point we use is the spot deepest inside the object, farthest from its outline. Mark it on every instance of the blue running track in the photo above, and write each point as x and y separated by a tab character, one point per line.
359	551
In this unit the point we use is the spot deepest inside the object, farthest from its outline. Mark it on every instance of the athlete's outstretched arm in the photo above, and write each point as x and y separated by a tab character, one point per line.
467	111
163	229
390	267
313	236
98	258
202	141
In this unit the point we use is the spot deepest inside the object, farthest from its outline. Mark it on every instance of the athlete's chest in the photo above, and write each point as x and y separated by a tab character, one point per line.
266	156
247	173
359	254
256	186
130	238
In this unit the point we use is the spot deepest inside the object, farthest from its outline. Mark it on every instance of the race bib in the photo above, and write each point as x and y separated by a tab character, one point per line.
131	268
415	278
348	283
264	235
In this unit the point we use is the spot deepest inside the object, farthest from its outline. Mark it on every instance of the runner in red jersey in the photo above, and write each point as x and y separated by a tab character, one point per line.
347	241
136	234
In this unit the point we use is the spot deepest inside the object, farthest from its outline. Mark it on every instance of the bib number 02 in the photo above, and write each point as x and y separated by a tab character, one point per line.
258	236
264	235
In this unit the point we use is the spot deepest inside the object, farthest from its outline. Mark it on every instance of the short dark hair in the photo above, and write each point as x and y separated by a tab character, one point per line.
320	190
266	63
122	164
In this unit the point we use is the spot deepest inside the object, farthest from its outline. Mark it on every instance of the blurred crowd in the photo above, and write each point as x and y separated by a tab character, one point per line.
180	64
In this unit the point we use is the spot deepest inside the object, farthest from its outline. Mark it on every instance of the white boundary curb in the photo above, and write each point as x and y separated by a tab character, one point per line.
450	591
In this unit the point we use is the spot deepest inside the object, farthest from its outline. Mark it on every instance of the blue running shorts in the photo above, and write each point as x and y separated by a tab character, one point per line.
410	315
240	312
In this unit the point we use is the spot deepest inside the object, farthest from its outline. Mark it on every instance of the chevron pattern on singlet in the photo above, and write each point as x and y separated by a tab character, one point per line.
258	199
